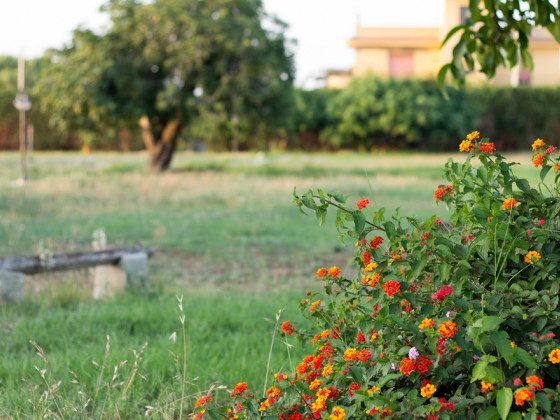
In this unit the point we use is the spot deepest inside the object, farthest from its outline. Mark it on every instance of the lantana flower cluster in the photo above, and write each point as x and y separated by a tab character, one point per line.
454	316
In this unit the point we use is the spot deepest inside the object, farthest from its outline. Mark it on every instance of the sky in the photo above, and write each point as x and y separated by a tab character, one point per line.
321	27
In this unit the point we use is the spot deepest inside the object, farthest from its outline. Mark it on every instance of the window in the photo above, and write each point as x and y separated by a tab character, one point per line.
465	14
401	64
525	77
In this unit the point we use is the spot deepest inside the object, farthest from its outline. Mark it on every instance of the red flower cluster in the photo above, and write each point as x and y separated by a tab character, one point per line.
422	364
440	346
354	386
443	292
487	147
375	242
446	405
288	328
366	257
391	287
362	203
360	338
442	191
538	160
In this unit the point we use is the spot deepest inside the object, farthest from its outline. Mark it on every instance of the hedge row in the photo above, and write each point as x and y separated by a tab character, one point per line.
372	113
368	114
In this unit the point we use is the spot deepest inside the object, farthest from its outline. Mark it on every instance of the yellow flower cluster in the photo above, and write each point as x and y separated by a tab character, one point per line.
428	390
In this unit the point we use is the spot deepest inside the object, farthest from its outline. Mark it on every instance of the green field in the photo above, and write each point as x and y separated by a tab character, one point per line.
228	239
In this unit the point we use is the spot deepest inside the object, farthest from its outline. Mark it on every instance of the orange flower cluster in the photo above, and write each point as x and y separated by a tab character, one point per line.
391	287
447	329
523	395
428	390
201	401
486	386
535	383
371	280
538	160
351	355
288	328
321	272
239	390
509	204
315	305
337	414
407	366
426	323
362	203
334	271
532	255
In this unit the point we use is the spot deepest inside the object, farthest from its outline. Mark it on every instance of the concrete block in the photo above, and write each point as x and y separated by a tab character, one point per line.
110	280
136	268
11	286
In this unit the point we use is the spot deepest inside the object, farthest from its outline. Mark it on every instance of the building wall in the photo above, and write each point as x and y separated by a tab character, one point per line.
376	46
371	60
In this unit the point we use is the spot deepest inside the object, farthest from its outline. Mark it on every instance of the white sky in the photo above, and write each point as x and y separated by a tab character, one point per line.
321	27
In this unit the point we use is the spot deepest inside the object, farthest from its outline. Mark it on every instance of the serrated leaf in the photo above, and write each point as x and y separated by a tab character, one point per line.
504	398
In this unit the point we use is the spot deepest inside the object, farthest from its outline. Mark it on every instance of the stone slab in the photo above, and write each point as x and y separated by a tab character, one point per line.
12	285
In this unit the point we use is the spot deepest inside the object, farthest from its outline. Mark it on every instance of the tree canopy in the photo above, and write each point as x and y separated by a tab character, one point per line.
497	33
162	64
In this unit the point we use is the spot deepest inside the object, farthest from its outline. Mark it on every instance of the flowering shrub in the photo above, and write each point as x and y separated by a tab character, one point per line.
444	320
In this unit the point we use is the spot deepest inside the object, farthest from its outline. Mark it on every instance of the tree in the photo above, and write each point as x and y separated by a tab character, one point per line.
161	65
497	33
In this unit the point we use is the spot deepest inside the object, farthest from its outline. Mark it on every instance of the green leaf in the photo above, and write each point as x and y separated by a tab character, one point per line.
390	230
515	416
492	374
321	214
504	398
387	378
503	342
355	373
441	80
544	171
543	400
452	32
359	222
523	185
525	358
339	197
490	323
491	413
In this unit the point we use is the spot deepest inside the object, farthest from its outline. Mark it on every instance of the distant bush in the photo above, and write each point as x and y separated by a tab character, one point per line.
398	113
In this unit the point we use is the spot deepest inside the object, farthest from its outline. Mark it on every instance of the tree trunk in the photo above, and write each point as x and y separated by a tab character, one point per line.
160	141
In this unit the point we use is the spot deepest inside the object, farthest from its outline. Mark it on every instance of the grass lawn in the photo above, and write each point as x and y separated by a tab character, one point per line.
228	238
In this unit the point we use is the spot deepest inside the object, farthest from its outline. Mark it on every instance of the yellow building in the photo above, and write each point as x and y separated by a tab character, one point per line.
416	52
